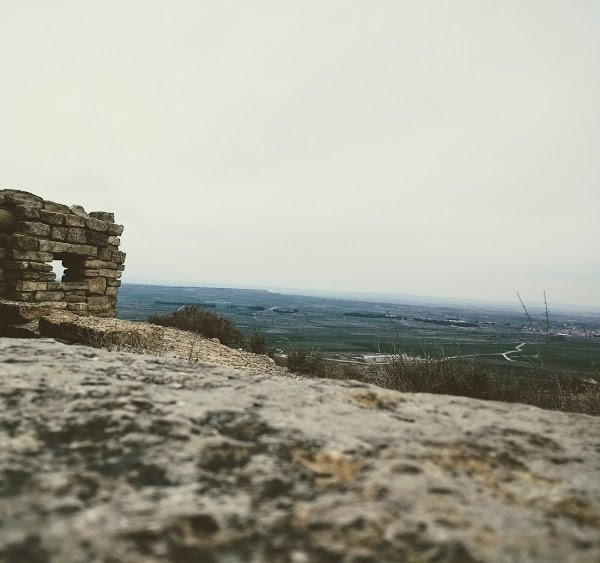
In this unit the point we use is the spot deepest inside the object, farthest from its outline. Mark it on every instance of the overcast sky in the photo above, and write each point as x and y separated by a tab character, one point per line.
444	148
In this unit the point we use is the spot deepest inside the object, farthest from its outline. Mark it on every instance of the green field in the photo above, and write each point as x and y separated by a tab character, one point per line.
325	324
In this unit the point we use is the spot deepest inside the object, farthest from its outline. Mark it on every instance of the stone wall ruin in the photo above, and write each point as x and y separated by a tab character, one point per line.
35	232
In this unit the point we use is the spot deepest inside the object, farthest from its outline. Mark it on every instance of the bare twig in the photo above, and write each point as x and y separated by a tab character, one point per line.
547	319
529	319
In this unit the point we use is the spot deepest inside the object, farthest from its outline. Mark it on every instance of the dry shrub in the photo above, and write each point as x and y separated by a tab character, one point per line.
257	343
195	319
305	360
138	342
541	387
551	389
448	376
312	362
341	370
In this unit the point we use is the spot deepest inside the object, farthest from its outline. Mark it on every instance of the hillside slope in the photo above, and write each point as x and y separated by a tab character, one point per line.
126	457
32	320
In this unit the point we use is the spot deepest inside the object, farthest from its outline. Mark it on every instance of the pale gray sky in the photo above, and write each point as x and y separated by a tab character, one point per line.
430	147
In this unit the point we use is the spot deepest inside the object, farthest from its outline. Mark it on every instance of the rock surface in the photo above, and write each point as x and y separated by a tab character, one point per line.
110	456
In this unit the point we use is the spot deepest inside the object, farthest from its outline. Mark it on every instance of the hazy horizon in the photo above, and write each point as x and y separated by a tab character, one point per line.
535	301
400	147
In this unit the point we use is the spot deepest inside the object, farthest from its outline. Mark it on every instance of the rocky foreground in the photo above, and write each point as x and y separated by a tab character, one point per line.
110	456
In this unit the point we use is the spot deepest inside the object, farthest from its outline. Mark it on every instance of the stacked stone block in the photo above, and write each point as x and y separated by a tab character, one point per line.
34	232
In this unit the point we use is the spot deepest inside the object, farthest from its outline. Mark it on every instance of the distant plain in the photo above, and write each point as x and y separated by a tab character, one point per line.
355	330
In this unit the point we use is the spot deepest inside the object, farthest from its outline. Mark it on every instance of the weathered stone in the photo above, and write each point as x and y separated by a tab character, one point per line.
76	236
111	290
12	312
32	228
52	218
100	264
103	216
104	273
26	212
59	233
97	239
22	242
79	211
26	265
118	257
103	253
114	240
74	221
30	286
97	285
16	313
76	296
15	295
98	302
29	275
56	207
77	307
116	230
96	224
121	457
19	196
29	255
76	286
65	247
48	295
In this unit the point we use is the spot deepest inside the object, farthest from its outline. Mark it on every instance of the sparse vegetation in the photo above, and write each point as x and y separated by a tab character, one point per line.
195	319
137	342
305	360
308	361
542	387
448	376
257	343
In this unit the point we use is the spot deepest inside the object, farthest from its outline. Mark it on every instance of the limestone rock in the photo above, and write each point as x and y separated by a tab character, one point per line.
103	216
12	312
80	211
119	457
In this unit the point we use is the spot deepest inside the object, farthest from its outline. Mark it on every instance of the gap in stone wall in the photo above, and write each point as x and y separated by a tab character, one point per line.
73	265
